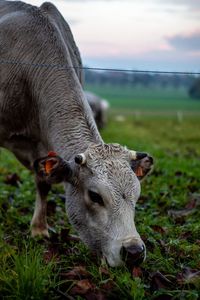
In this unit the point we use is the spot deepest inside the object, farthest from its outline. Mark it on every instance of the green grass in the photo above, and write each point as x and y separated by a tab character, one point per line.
153	98
39	269
23	274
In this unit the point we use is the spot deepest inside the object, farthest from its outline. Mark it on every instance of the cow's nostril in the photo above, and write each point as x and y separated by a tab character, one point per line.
133	254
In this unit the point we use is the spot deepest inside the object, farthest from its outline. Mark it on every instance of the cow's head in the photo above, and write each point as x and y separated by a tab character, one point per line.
102	188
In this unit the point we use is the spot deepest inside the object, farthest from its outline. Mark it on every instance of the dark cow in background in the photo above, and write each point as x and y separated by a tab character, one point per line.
44	109
99	108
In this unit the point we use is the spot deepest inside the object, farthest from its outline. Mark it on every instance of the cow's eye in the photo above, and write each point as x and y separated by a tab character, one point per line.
95	197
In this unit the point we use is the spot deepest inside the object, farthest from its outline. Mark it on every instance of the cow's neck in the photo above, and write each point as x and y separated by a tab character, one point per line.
72	137
68	124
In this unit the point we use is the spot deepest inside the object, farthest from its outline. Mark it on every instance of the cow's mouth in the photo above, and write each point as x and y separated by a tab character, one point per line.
131	256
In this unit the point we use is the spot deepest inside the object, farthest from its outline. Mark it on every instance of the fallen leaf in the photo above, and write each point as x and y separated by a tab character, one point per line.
194	201
137	272
81	287
189	276
95	296
143	199
50	254
185	235
180	214
193	186
107	285
68	238
13	179
159	281
78	272
104	271
159	229
191	204
179	173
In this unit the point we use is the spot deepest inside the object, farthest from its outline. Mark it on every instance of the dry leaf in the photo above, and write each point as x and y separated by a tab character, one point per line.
159	229
137	272
78	272
82	287
13	179
160	281
189	276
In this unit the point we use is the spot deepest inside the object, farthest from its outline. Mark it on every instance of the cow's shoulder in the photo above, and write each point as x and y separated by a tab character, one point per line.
7	7
57	20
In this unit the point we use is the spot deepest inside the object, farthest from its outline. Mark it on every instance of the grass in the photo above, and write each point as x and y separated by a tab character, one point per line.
150	98
41	269
23	274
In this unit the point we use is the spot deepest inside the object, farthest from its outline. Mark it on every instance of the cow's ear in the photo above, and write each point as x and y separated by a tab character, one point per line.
142	167
52	169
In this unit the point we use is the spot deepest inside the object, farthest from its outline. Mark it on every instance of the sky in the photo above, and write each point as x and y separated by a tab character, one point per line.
135	34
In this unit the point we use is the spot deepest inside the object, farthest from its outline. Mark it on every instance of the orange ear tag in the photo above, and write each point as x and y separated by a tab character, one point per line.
49	165
139	172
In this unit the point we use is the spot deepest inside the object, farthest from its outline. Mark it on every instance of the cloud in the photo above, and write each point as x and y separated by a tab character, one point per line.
189	42
192	4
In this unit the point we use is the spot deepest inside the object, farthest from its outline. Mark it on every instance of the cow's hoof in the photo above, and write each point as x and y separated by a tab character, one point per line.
41	232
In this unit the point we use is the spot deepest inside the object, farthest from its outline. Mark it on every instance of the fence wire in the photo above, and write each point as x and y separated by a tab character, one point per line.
66	67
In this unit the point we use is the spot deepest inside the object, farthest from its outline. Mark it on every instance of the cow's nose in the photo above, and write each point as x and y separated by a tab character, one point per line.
133	255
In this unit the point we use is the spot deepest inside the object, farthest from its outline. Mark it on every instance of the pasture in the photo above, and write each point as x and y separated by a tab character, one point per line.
153	98
167	216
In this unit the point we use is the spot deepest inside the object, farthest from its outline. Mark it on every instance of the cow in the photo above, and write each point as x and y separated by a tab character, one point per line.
99	108
43	109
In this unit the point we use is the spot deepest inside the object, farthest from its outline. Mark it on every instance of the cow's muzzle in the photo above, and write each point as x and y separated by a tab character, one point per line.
133	255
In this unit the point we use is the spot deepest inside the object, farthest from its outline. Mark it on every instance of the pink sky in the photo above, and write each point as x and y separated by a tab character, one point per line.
145	34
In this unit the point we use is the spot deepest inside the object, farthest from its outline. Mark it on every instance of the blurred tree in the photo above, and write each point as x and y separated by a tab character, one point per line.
146	80
194	90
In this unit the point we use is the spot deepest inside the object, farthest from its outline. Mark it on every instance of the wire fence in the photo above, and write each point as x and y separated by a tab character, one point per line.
180	115
66	67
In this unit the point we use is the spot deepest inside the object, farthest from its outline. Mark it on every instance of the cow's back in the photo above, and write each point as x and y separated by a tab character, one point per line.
32	36
38	34
22	42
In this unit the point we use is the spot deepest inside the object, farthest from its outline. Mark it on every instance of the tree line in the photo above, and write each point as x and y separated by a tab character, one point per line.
190	82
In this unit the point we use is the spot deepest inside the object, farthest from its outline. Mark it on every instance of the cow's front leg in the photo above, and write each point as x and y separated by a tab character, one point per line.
39	224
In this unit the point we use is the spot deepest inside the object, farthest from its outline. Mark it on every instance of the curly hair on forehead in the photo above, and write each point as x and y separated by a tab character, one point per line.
105	151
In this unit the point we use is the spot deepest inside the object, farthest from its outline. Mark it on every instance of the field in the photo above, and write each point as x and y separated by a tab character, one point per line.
167	217
147	99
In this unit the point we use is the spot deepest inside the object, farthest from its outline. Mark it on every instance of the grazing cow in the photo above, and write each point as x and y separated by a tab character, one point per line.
99	108
43	109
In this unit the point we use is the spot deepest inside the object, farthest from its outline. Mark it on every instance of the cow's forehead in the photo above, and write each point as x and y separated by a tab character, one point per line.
110	164
106	152
115	174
